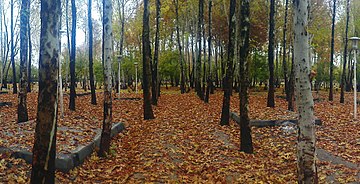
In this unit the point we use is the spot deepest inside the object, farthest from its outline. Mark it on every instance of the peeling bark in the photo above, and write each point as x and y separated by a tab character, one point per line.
44	150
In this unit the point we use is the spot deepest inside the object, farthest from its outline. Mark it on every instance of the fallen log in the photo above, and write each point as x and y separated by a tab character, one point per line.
268	123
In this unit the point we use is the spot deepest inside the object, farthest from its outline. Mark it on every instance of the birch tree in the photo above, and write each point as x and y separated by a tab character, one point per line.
91	70
304	100
148	112
24	22
107	60
44	150
225	113
244	43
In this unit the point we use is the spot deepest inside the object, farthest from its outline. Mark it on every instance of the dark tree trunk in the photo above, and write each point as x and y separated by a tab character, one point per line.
182	75
148	112
285	68
107	60
24	22
13	48
331	96
225	113
244	44
198	87
343	75
72	57
192	73
29	60
270	99
209	81
44	150
222	66
91	70
292	83
216	65
155	77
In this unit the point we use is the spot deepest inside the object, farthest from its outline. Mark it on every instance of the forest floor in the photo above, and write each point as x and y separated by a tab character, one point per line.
186	144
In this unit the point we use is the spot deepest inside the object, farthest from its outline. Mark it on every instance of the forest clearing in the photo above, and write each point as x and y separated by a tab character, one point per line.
179	91
185	143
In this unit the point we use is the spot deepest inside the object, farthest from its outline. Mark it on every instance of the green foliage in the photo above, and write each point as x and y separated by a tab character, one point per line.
169	65
259	69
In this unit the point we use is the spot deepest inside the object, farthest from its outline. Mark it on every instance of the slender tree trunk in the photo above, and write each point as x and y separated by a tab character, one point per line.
227	85
24	22
198	61
29	60
155	76
271	90
44	150
91	70
1	47
72	57
343	75
306	149
244	44
291	84
331	96
209	81
216	64
148	112
107	60
182	75
284	63
13	48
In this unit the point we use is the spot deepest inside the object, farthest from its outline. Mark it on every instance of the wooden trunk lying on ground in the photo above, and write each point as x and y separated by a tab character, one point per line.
268	123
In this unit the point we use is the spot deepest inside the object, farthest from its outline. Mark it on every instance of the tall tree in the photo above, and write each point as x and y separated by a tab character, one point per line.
12	47
44	150
244	44
30	54
1	46
107	60
181	57
198	60
304	100
72	57
284	63
24	22
271	90
91	70
227	84
155	76
148	112
209	81
343	75
331	96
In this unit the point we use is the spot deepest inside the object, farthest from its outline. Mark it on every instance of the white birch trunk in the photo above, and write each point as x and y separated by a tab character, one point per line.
304	100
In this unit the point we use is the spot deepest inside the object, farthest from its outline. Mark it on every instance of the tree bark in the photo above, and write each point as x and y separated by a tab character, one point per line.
244	44
306	135
29	60
182	75
91	70
209	81
343	75
227	85
331	96
13	48
44	150
107	60
24	22
271	90
198	87
148	112
73	57
155	77
285	68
